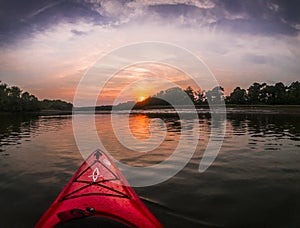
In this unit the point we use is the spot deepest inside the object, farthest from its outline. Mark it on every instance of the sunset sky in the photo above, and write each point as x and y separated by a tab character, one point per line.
46	46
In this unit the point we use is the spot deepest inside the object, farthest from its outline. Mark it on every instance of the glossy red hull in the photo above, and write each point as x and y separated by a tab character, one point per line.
98	189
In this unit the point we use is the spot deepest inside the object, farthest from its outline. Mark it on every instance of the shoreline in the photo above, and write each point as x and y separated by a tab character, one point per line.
264	109
202	109
39	113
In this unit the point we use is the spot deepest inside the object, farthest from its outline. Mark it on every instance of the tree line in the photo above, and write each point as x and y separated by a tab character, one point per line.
13	99
278	94
256	94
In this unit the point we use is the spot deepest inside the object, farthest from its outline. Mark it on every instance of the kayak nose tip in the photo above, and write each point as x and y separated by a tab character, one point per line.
98	154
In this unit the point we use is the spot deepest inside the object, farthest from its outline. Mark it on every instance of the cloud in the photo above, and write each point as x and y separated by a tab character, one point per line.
78	33
20	20
273	7
202	4
258	59
262	17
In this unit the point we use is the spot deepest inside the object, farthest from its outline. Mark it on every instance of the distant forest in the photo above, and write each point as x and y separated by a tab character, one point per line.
264	94
13	99
256	94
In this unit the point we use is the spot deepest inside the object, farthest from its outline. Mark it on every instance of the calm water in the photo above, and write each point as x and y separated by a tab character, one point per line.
254	182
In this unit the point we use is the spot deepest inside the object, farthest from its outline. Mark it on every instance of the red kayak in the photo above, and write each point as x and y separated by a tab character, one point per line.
98	194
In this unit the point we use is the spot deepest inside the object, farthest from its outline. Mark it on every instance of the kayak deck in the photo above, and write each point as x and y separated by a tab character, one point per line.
98	189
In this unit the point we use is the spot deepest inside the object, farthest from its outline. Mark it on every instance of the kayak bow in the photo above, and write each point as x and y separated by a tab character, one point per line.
98	189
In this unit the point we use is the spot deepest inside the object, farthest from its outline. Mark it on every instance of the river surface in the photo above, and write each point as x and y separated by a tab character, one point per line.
253	182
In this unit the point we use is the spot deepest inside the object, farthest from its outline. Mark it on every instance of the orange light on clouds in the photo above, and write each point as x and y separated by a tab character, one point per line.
138	82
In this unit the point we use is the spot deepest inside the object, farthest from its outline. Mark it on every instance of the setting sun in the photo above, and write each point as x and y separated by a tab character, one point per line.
141	98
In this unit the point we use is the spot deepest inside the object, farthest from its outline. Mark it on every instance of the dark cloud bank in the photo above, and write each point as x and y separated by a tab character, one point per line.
21	19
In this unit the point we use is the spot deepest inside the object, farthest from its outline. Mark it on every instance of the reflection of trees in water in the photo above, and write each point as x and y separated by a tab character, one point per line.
173	124
173	121
281	125
265	124
15	127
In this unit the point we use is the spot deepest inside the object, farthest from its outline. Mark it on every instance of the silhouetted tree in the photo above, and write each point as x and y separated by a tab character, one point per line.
56	105
280	93
238	96
216	95
254	93
30	102
294	93
174	95
200	97
14	94
191	93
3	96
